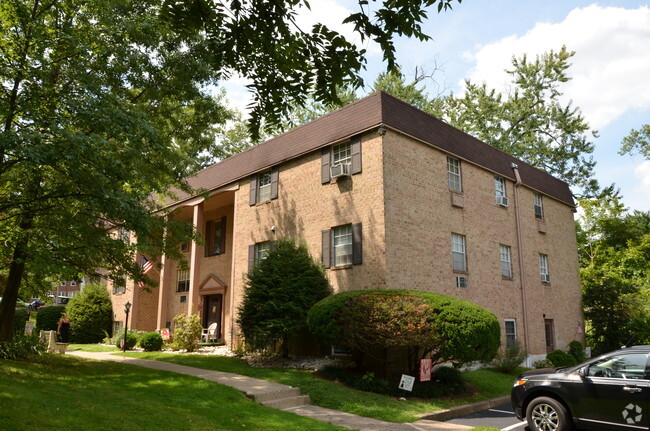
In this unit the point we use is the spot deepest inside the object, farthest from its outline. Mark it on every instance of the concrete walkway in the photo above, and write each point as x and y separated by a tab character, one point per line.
278	396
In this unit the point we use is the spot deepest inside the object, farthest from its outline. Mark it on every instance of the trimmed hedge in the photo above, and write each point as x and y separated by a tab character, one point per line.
413	323
560	358
47	318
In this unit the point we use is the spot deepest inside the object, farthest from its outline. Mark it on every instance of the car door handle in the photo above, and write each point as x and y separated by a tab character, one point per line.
632	389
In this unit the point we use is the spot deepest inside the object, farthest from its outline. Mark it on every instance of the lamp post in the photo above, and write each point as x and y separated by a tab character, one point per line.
127	308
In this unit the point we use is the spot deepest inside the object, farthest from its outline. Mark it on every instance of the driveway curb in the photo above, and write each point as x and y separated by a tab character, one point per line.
468	409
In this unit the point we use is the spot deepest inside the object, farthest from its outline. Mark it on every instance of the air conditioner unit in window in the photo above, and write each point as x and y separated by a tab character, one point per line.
502	200
546	278
461	281
340	170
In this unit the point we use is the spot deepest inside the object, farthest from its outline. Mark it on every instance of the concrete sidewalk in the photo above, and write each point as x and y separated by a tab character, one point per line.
277	395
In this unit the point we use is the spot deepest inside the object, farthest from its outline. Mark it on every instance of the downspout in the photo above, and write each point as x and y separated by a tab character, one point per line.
520	253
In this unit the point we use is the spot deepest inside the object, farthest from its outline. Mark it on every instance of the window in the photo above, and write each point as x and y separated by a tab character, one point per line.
119	285
258	252
342	154
511	332
188	230
262	250
183	299
623	366
264	186
459	258
342	245
215	234
543	268
183	280
539	207
453	174
63	283
506	266
124	235
73	283
500	191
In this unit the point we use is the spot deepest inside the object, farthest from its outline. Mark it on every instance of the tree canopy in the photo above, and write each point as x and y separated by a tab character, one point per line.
104	103
637	140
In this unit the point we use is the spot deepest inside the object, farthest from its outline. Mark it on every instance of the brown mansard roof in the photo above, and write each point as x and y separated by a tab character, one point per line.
378	109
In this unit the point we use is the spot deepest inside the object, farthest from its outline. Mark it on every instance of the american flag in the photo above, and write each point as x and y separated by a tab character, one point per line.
147	266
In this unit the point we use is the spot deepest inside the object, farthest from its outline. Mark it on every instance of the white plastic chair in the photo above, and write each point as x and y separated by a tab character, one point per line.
210	335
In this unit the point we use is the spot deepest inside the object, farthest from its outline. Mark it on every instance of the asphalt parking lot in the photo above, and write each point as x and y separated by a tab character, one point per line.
501	417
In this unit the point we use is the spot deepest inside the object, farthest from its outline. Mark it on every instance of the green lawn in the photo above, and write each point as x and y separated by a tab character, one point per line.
324	393
57	392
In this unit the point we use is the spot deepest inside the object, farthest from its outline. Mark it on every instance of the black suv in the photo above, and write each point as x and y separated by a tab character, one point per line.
611	392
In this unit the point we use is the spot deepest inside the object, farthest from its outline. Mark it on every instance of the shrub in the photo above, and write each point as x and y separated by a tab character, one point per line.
91	314
187	331
560	358
22	347
20	318
543	363
577	350
508	359
279	292
131	340
151	341
445	382
412	324
47	318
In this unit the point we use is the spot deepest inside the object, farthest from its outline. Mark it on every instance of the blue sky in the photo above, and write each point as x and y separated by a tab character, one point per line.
476	40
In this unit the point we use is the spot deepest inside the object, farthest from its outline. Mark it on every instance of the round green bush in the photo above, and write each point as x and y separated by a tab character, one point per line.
151	342
577	351
407	322
560	358
131	340
47	318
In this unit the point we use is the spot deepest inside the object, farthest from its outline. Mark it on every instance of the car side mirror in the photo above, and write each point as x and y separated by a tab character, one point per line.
582	372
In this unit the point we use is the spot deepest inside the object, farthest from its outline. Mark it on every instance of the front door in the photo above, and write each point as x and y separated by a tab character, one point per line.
212	311
550	335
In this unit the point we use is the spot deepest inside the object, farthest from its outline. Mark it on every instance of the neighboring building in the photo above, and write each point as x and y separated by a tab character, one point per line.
386	197
65	289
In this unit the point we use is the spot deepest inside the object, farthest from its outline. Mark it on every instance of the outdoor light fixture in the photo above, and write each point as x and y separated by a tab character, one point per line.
127	308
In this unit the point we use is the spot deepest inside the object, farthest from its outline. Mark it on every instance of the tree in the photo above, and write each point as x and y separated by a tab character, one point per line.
529	122
106	103
615	272
413	93
280	290
91	314
637	140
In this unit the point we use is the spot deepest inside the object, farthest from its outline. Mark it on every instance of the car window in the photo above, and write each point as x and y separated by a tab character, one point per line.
622	366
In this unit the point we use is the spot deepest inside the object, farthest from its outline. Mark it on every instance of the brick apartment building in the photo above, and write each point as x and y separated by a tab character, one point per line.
386	196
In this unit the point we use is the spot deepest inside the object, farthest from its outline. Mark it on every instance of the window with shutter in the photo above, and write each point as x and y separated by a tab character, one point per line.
264	186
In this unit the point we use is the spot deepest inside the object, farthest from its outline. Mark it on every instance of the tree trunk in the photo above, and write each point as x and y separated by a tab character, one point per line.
10	295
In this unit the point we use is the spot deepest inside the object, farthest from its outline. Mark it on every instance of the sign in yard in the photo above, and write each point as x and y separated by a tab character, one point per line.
406	382
425	370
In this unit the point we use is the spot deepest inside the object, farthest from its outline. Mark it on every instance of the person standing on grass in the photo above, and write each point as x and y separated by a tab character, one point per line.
64	328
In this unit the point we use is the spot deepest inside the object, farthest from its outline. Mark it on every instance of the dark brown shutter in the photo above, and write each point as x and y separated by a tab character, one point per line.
355	150
274	183
252	200
357	246
326	253
209	238
222	241
251	257
325	165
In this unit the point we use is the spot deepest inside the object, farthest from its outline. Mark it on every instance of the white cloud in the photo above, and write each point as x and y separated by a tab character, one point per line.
640	198
609	71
